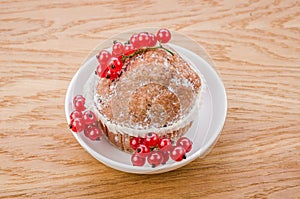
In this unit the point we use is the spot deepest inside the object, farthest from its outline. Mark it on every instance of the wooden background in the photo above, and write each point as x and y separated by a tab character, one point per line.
255	46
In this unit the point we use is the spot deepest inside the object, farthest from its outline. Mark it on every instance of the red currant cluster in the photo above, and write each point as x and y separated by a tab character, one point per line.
111	64
84	120
158	150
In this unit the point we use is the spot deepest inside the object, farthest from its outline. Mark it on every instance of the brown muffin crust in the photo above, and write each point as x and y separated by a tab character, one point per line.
156	90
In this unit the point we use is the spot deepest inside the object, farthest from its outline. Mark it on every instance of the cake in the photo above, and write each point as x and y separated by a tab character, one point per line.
143	98
155	90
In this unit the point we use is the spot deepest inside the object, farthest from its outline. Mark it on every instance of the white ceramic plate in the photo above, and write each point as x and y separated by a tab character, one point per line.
203	133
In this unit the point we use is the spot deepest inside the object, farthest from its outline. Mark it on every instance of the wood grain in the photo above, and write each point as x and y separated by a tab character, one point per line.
255	47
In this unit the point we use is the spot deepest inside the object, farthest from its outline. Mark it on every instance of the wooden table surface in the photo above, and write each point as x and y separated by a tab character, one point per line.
254	45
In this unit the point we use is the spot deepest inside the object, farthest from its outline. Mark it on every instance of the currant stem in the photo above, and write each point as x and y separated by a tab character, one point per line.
160	46
146	49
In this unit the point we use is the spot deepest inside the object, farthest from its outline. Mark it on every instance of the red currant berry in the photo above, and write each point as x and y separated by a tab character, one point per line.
164	144
101	71
177	153
134	41
117	49
135	142
185	143
137	160
151	139
89	117
77	125
103	57
128	49
152	40
78	97
75	114
155	158
143	39
165	157
93	132
142	151
115	64
79	105
112	75
140	140
163	35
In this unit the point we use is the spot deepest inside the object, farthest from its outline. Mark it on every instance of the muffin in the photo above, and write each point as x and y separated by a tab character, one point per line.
155	91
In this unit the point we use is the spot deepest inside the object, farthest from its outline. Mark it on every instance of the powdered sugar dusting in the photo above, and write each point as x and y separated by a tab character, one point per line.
158	91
